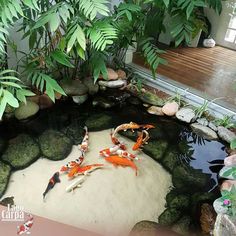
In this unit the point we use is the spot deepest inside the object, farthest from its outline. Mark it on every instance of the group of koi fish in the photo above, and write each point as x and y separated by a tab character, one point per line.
116	155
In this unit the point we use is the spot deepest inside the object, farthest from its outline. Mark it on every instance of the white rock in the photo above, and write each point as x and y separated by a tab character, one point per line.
185	114
219	208
212	126
230	160
203	121
154	110
111	83
80	99
170	108
226	134
204	131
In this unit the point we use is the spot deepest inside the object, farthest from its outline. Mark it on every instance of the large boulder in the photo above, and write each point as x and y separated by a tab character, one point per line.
170	108
75	132
185	114
92	87
21	151
99	122
156	149
26	110
149	228
179	201
204	131
170	160
226	134
170	216
184	176
73	87
55	145
5	172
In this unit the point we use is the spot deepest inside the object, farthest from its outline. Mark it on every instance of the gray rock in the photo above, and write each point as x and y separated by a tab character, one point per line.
213	126
226	134
112	84
5	171
204	131
185	114
225	225
27	110
102	102
93	88
80	99
55	145
154	110
21	152
218	206
73	87
203	121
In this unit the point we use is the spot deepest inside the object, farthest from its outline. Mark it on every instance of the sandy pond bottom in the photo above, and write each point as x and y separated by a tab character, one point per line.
110	200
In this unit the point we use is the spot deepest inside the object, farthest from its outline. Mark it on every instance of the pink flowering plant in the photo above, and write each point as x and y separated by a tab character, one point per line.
229	201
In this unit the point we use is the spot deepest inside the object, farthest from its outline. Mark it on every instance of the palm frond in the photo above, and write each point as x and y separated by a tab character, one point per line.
102	34
91	8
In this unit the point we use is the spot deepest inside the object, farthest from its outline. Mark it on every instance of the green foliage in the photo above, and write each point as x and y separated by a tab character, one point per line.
151	54
11	91
233	144
46	83
231	196
226	121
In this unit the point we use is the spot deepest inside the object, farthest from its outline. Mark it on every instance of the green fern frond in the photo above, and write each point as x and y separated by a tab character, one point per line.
102	34
152	54
91	8
98	65
46	84
126	9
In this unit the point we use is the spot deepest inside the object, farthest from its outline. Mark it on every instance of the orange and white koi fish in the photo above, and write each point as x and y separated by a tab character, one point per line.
84	145
142	139
71	164
25	228
109	151
117	142
126	154
125	127
83	170
120	161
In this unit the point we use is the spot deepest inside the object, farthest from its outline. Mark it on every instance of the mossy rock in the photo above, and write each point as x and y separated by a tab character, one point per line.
55	145
173	192
7	201
185	176
180	202
151	98
170	216
22	151
99	122
26	110
2	145
5	172
75	132
156	149
170	160
182	226
199	198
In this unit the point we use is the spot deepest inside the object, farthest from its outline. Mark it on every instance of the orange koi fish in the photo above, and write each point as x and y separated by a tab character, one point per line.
109	151
120	161
147	126
71	164
83	170
141	140
84	145
126	154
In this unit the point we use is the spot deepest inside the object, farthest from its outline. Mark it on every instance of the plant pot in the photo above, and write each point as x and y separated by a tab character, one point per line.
194	42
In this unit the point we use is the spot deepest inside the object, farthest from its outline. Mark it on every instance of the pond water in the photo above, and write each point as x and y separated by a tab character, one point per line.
192	161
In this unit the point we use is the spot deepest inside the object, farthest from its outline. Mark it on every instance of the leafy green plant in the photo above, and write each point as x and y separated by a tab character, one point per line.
226	121
233	144
12	91
228	200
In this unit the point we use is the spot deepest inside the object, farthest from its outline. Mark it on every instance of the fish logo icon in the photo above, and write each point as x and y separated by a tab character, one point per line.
25	228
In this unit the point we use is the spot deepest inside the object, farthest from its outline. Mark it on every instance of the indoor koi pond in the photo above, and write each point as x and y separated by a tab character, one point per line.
177	170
